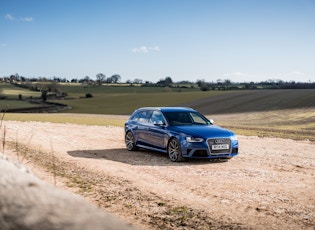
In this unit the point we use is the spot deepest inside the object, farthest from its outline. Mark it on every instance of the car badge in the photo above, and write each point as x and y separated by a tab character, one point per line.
219	141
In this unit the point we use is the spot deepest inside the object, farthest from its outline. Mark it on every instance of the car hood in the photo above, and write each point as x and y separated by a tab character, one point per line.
205	131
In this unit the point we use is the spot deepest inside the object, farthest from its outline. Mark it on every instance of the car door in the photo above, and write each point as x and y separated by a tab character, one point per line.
142	128
157	135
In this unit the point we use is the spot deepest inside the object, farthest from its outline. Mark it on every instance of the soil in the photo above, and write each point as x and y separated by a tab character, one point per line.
269	185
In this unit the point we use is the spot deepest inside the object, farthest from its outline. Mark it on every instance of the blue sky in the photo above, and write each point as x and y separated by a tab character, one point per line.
239	40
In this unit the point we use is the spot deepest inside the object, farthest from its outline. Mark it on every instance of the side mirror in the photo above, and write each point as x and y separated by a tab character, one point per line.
211	121
159	123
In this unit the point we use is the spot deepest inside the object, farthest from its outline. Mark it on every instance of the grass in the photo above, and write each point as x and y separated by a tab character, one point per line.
296	124
12	104
54	166
12	92
109	99
81	119
125	99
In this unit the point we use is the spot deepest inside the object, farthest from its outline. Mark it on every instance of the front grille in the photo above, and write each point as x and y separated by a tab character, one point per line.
220	145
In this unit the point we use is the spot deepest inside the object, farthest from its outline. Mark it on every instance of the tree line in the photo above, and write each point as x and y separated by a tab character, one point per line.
219	84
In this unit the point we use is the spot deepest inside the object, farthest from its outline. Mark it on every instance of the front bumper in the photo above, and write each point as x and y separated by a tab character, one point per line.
205	149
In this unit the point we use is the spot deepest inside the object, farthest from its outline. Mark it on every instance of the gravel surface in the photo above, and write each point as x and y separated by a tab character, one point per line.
270	185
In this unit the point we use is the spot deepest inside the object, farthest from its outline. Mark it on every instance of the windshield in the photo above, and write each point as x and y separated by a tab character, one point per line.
185	118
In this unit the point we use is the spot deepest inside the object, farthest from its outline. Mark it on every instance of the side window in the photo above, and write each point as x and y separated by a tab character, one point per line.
198	119
144	116
135	116
157	117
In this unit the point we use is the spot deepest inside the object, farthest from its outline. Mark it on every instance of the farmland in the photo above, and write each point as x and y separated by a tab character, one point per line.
276	113
122	100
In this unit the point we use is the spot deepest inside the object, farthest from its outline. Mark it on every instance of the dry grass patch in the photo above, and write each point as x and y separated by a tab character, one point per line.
298	124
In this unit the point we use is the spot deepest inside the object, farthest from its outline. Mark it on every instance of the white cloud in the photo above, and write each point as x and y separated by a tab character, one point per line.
145	49
9	17
27	19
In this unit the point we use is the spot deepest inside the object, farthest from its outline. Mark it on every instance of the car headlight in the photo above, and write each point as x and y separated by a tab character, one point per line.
234	138
194	139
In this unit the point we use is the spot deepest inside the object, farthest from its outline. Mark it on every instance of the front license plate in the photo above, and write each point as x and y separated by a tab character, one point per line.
220	147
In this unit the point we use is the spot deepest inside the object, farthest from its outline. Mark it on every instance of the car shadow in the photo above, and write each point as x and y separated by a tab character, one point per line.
139	157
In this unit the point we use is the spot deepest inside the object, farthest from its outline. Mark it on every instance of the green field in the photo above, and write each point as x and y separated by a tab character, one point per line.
11	94
276	113
125	99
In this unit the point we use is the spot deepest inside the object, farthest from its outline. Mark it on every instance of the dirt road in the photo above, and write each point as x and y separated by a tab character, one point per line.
270	185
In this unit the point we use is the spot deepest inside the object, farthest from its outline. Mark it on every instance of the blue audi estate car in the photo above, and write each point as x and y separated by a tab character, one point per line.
180	132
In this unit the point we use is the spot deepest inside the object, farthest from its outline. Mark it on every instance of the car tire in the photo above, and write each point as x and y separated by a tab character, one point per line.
130	141
174	150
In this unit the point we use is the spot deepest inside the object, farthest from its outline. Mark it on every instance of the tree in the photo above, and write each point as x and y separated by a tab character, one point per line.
115	78
227	82
14	77
44	95
100	78
137	81
86	80
200	82
204	86
166	82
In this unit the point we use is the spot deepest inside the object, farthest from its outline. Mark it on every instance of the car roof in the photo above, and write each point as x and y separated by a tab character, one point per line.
167	109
